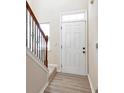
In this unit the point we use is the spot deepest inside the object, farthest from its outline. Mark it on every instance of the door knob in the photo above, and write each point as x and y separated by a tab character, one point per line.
83	51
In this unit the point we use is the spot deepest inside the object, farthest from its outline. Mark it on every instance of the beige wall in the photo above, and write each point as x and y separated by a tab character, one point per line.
93	39
36	76
49	11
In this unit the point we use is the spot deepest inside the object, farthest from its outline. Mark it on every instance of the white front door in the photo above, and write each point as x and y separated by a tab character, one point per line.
74	47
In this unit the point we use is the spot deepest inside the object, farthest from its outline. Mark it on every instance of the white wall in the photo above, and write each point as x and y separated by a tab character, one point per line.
93	39
49	11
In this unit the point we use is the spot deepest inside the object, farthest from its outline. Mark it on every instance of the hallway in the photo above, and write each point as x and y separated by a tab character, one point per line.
68	83
66	39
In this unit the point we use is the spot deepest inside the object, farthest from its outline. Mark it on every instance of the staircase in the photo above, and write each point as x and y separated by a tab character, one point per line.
38	73
36	40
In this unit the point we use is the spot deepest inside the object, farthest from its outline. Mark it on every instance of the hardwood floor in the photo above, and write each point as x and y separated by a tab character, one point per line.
68	83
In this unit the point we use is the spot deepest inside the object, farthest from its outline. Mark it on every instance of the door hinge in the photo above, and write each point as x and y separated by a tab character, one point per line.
61	46
61	27
61	65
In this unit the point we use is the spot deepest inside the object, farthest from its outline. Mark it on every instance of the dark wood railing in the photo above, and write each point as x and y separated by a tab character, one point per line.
36	41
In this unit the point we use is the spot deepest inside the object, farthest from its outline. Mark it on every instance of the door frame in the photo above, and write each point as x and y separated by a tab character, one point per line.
86	36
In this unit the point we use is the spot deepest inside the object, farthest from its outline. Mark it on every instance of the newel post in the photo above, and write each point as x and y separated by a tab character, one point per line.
46	63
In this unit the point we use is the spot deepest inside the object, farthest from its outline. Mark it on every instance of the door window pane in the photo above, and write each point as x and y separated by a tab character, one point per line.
73	17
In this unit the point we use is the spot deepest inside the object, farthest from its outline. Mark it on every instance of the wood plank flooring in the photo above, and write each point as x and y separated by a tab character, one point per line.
68	83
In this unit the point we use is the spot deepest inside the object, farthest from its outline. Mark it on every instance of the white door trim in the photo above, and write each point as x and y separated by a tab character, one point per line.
73	12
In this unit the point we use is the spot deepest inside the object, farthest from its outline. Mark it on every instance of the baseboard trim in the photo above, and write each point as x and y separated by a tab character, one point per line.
91	85
43	89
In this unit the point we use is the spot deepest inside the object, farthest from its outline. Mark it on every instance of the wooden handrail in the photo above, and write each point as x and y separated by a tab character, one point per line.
38	25
35	19
46	62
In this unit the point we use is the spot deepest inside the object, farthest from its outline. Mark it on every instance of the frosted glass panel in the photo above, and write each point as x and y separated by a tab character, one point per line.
73	17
